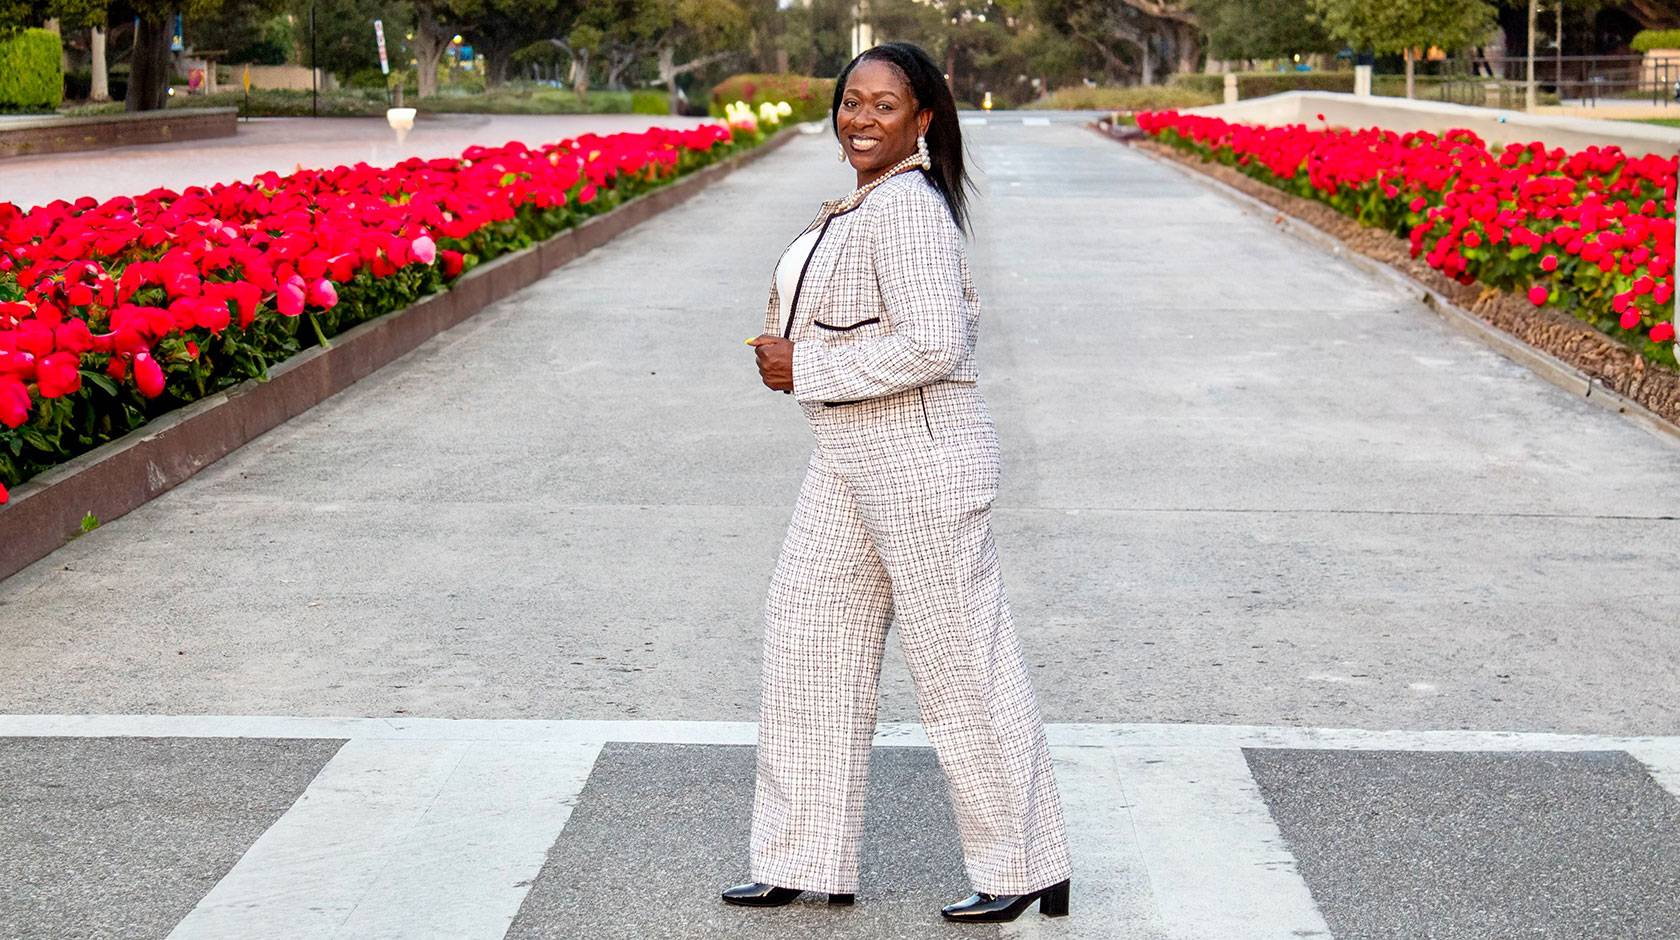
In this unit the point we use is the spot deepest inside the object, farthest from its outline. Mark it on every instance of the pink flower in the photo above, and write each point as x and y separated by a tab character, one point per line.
1537	295
148	375
323	294
1548	263
290	298
424	250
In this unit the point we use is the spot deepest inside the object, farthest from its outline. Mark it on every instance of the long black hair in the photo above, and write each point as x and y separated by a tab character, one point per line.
944	133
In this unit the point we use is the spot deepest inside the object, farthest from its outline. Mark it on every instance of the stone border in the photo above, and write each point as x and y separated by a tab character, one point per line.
102	131
1565	351
117	477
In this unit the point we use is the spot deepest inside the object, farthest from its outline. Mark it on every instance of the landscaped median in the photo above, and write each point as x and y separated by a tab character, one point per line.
1522	235
115	315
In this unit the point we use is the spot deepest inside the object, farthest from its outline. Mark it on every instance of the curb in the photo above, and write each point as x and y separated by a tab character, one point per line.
120	476
49	135
1541	363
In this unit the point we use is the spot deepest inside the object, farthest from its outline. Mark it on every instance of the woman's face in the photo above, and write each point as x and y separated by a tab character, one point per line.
878	119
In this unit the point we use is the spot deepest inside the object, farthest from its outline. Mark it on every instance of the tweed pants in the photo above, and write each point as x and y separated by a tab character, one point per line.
893	524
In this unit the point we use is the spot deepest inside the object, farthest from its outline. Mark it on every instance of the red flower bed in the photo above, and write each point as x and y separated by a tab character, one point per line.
1591	232
113	312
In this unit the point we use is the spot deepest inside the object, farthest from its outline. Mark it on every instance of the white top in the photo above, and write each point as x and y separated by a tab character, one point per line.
788	269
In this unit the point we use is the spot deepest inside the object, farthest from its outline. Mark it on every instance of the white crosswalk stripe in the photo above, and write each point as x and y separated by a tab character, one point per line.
436	827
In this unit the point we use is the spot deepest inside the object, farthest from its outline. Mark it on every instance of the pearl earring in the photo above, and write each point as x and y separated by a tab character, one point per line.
842	153
922	151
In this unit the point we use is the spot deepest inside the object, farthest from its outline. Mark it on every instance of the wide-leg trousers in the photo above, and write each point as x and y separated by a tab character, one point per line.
893	526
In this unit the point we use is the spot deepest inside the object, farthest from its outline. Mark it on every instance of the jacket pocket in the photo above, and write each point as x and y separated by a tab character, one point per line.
847	328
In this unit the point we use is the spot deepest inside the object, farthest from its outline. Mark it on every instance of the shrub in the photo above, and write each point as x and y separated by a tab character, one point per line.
78	85
810	97
1131	98
649	101
30	79
1261	84
1647	39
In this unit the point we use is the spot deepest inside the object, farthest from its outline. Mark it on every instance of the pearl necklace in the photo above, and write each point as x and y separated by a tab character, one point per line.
850	202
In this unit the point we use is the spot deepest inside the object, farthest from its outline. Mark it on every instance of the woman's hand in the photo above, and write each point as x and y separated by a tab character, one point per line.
775	361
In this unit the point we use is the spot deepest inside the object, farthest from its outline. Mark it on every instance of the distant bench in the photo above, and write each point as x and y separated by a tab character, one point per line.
47	134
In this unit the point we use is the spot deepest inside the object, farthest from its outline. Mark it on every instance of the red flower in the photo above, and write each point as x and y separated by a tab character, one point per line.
1663	332
14	401
1537	295
1548	263
57	375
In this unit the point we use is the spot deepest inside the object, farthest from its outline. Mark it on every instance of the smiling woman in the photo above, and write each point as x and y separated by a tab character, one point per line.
871	327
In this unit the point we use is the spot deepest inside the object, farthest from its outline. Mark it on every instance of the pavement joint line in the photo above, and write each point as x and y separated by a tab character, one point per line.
1163	510
888	734
1538	361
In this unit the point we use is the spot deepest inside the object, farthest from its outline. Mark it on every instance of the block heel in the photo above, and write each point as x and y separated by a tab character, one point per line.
1054	901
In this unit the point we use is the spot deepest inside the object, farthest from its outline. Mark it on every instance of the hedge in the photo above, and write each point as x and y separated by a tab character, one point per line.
1648	39
1261	84
1124	98
811	98
30	76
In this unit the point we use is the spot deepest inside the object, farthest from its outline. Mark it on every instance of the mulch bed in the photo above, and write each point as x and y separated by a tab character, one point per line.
1603	360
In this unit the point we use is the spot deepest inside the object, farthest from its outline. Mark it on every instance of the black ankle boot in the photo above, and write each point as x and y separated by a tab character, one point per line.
757	894
992	908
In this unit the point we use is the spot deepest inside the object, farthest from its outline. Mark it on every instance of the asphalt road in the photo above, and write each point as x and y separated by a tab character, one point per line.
1245	484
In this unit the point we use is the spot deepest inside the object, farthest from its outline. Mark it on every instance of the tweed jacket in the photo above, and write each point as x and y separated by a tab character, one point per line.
885	303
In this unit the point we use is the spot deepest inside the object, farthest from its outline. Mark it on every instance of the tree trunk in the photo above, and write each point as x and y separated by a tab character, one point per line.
429	44
580	74
1409	71
951	67
148	77
1188	51
52	26
100	89
1148	62
668	75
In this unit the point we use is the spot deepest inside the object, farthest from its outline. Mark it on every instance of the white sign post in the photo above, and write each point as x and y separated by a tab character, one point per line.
379	35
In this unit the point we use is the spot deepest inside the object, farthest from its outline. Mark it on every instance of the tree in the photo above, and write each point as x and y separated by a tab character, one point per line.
1147	26
1260	29
696	32
499	28
149	59
89	15
1407	28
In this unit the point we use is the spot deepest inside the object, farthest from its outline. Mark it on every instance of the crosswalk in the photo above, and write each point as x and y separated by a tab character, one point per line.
438	828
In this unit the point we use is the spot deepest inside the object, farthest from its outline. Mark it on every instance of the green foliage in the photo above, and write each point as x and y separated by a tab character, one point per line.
811	98
1126	98
1390	26
1260	29
646	101
30	79
1647	39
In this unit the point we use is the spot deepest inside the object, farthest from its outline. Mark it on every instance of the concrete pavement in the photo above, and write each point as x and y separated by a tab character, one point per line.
1245	484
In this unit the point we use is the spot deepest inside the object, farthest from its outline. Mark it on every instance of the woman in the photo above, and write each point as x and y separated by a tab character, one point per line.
871	327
